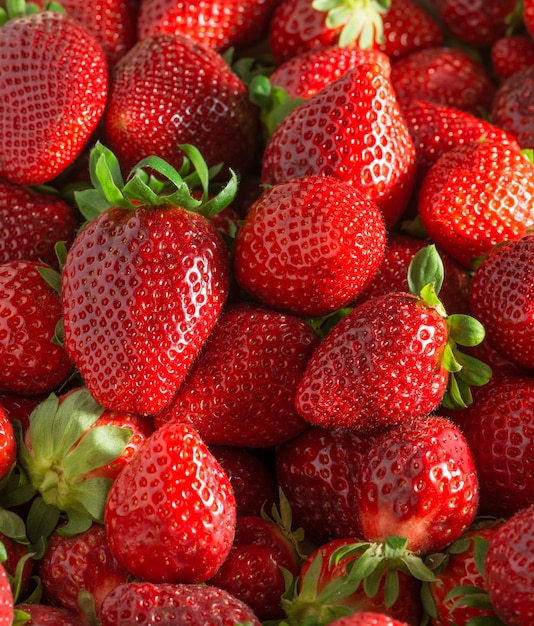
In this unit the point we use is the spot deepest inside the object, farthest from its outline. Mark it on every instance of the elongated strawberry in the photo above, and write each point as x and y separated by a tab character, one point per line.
143	284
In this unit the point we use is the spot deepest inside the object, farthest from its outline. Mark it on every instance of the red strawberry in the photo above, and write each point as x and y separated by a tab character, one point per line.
528	16
476	196
170	514
216	24
352	130
142	287
29	312
240	390
8	446
418	481
170	90
18	407
50	108
511	53
6	599
367	618
43	615
145	604
509	569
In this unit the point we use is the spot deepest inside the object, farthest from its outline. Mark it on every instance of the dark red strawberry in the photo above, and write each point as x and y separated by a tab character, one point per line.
37	614
18	407
50	108
511	53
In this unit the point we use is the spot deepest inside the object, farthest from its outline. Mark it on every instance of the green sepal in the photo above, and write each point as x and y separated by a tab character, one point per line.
76	524
465	330
322	325
426	268
41	522
274	102
51	277
13	526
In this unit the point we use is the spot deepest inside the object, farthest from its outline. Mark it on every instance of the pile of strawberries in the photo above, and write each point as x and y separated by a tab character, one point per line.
267	313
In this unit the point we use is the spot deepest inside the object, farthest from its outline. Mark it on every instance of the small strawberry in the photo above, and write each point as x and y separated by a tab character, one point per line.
511	53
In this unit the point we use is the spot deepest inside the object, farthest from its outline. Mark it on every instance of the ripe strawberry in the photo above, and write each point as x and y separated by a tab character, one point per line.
170	90
50	108
8	446
143	285
240	391
511	53
43	615
170	514
418	481
144	604
29	312
217	25
476	196
509	569
367	618
6	599
502	297
392	358
352	130
528	16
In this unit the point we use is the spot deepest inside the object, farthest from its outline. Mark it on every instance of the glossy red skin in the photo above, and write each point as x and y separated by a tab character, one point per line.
8	445
352	130
444	75
476	196
511	53
44	615
146	603
170	514
240	391
502	299
316	471
528	16
499	429
141	292
6	599
31	363
509	569
309	246
217	25
82	561
170	90
57	115
418	481
391	344
367	618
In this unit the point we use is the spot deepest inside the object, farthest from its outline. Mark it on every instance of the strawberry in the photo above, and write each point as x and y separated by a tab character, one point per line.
240	390
30	310
528	16
170	514
418	481
170	90
8	446
6	599
284	257
18	407
217	25
352	130
476	196
502	297
144	604
37	614
511	53
392	358
367	618
509	569
50	108
134	339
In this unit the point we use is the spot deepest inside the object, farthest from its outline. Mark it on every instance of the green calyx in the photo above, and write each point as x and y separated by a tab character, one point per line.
425	278
153	182
360	21
19	8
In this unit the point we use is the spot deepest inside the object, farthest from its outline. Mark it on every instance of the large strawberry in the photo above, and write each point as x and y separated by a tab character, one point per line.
143	285
53	87
352	130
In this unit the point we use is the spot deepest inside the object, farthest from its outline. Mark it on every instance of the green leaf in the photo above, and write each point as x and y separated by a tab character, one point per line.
425	268
260	90
479	553
465	330
91	203
12	526
395	547
222	199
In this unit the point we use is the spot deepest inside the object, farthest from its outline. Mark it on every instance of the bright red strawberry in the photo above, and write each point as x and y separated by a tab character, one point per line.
170	514
392	358
83	561
145	604
499	429
476	196
216	24
142	287
50	108
445	75
352	130
29	312
309	246
8	446
502	297
6	599
511	53
418	481
367	618
170	90
43	615
509	569
240	391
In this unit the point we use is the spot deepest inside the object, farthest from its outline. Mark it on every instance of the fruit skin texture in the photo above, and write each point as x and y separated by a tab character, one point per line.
145	604
352	130
58	105
170	514
8	445
391	344
509	569
44	615
502	298
170	90
309	246
510	54
29	312
367	618
141	292
476	196
418	481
